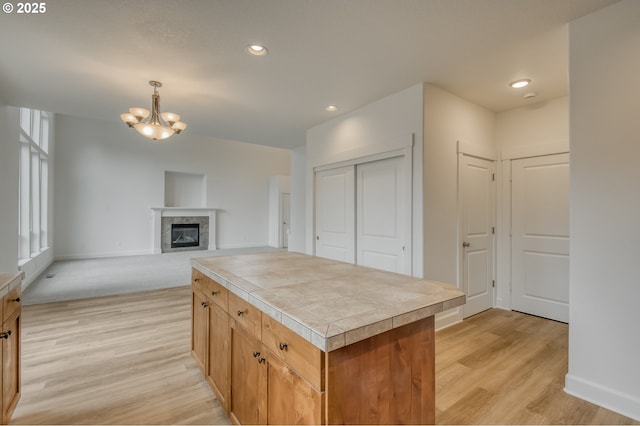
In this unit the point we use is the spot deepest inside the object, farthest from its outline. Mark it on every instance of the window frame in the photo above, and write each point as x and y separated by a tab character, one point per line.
33	206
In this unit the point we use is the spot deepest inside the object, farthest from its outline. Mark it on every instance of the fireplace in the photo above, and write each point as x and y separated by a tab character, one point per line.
185	235
164	217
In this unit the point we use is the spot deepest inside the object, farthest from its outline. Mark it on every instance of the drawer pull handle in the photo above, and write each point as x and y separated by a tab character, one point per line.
205	304
261	360
5	335
283	346
17	299
256	354
240	313
215	293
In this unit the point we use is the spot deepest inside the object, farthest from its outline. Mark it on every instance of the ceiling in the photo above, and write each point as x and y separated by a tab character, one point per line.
94	58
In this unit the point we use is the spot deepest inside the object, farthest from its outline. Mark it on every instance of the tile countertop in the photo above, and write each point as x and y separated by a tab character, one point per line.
331	304
9	281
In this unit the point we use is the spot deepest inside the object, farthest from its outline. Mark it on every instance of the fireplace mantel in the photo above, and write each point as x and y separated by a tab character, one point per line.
160	212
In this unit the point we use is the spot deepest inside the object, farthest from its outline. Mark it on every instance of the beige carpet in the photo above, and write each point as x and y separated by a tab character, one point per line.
82	279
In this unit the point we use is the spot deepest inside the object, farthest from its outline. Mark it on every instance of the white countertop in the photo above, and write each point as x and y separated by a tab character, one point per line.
331	304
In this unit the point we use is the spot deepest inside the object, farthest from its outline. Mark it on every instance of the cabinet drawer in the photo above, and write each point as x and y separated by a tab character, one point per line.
11	303
198	280
217	294
210	288
248	316
304	358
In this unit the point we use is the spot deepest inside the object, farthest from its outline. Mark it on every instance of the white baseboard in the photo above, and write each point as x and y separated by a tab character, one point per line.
243	245
502	304
448	318
101	255
622	403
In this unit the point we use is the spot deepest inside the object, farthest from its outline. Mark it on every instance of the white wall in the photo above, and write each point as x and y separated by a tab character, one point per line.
388	124
536	129
108	177
9	162
447	120
184	190
604	331
297	239
539	124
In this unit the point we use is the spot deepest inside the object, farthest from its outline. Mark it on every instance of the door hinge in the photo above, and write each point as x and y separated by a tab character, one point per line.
493	176
493	230
494	283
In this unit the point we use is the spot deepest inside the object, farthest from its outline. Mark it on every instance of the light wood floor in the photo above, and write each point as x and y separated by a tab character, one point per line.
113	360
125	360
503	367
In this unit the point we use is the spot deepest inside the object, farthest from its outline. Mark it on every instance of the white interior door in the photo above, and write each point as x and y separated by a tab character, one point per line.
382	222
286	219
335	214
477	231
540	236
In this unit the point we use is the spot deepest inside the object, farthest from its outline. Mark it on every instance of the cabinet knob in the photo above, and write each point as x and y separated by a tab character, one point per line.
196	280
205	304
240	313
215	293
17	299
5	335
465	244
256	354
261	360
283	346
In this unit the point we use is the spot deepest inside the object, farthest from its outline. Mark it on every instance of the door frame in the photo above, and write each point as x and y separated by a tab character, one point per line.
407	154
281	228
503	179
465	149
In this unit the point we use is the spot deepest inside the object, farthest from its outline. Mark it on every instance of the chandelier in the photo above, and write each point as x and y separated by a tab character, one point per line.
158	125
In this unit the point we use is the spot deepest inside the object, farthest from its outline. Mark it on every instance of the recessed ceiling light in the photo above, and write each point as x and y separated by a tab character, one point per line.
257	49
331	108
520	83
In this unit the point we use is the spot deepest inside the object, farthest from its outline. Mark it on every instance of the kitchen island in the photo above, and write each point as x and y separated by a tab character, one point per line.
289	338
10	330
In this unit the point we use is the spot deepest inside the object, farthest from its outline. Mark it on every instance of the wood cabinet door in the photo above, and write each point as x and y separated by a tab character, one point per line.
248	401
291	400
218	376
10	365
199	329
11	303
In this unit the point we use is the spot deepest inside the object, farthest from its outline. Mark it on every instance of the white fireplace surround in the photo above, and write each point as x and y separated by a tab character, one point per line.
160	212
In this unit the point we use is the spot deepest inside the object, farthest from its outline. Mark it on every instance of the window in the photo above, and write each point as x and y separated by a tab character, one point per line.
34	183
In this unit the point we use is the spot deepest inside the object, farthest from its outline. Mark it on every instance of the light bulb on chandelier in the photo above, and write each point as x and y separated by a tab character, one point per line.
158	125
